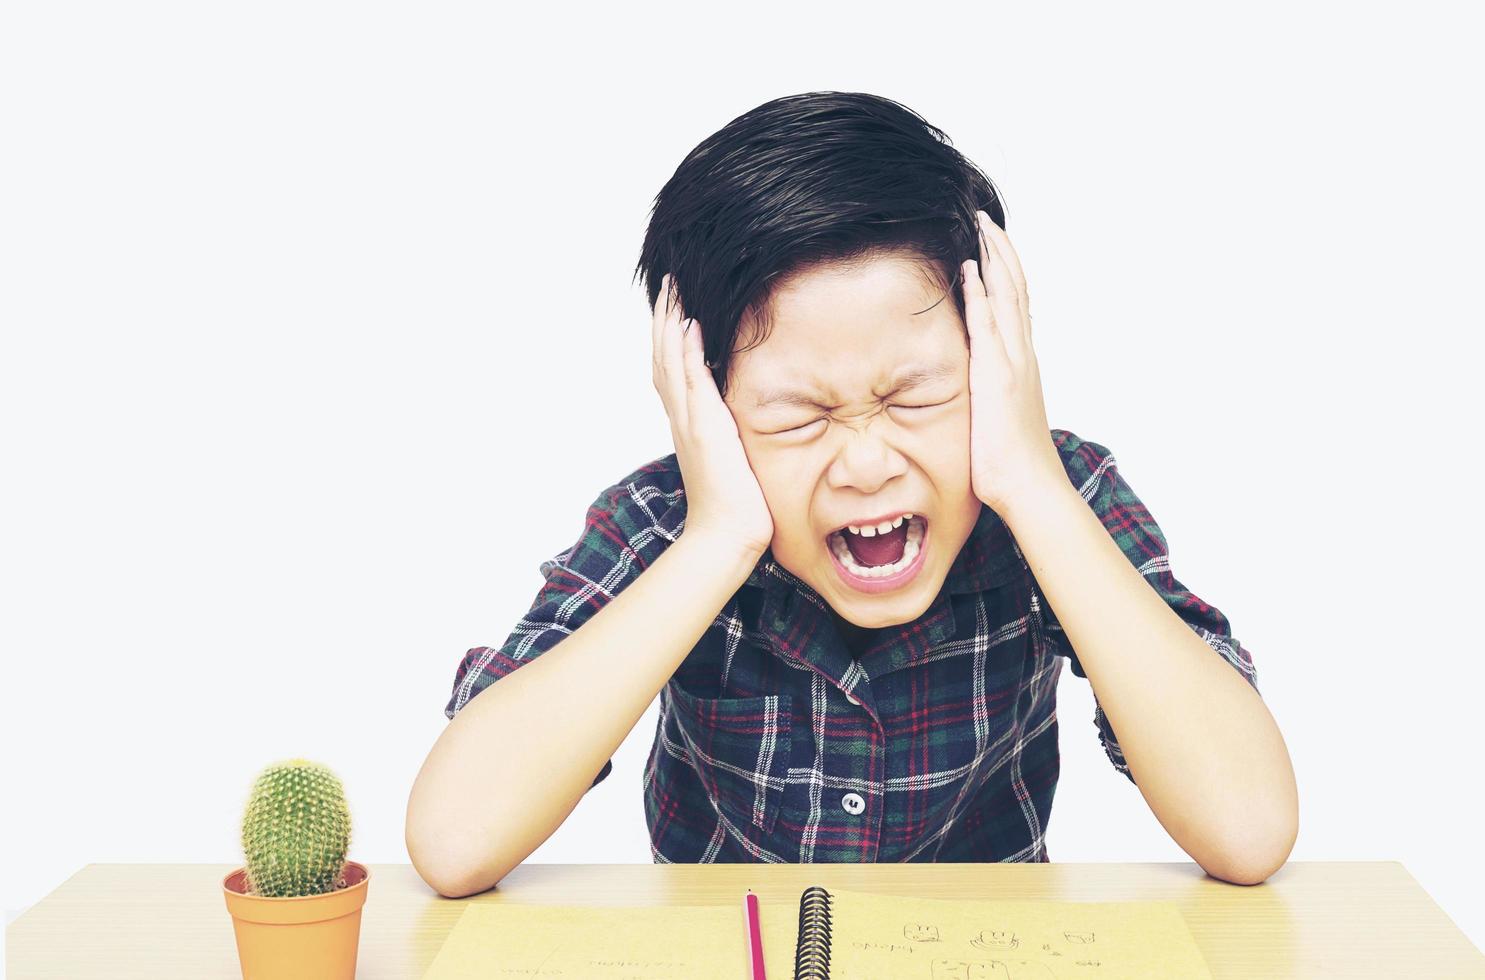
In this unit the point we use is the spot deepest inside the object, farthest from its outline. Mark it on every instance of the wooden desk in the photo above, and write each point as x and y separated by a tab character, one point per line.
160	921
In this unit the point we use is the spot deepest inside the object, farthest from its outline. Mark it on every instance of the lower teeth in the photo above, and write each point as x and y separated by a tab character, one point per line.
909	552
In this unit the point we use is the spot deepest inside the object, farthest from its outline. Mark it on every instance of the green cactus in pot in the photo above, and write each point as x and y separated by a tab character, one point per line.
296	831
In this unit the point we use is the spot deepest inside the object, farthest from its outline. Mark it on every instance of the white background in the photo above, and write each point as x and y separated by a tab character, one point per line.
319	336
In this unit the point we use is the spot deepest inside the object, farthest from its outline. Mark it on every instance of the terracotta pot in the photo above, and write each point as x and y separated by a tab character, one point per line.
312	937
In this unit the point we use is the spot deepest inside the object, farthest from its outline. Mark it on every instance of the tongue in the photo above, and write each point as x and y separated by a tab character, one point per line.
883	549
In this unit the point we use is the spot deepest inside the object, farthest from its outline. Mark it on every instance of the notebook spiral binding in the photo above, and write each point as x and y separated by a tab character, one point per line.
812	949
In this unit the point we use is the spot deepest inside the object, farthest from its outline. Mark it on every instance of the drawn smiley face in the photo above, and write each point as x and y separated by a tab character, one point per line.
962	970
997	939
919	932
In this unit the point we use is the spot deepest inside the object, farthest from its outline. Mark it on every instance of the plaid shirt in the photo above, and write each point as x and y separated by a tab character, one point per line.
774	743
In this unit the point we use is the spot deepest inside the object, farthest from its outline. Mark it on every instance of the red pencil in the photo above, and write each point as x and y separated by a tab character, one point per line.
755	934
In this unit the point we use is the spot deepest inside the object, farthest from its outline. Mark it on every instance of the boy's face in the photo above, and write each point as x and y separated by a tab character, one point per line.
841	338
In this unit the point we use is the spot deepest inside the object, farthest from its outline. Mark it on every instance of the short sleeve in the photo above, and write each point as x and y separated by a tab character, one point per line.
578	582
1095	473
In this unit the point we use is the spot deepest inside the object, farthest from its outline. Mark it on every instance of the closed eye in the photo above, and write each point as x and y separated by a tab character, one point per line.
801	428
797	428
917	407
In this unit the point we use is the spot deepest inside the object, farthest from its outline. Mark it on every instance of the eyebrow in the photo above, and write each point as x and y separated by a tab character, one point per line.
910	377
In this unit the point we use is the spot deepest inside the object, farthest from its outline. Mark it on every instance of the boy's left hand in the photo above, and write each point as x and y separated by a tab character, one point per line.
1012	456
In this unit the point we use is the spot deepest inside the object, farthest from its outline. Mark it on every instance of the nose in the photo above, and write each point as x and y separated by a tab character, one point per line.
867	459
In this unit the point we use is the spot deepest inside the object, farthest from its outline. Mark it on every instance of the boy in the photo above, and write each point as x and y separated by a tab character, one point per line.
854	582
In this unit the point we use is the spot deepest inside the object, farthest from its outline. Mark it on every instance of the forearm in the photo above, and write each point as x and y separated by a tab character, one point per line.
1201	745
515	761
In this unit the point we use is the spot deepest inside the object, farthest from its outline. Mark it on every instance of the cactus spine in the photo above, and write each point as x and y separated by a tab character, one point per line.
295	831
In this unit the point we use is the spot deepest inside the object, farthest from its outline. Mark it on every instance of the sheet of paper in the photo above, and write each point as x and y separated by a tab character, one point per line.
598	942
888	937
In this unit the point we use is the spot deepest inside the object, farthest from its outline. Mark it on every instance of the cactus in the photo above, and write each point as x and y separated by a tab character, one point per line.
295	831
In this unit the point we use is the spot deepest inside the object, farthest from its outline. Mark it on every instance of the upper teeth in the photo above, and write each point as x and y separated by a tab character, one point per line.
872	530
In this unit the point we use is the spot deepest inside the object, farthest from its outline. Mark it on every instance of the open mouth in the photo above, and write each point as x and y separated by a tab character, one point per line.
879	555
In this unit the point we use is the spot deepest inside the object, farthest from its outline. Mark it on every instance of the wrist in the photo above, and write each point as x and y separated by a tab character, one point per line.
724	550
1040	504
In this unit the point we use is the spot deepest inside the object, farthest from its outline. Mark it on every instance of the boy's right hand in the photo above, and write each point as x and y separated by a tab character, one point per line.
723	499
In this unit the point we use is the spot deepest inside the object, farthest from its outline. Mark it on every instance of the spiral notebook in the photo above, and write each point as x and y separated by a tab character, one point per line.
848	935
844	935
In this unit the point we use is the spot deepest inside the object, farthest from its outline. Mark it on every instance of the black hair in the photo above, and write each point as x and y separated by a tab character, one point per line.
802	180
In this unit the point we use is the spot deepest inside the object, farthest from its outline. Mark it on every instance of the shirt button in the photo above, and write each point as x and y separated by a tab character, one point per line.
853	803
852	698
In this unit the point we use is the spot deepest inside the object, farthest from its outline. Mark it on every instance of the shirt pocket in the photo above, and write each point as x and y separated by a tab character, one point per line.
739	749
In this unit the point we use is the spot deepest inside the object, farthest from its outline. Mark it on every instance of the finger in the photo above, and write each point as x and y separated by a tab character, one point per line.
1013	261
976	303
984	340
1002	242
982	284
657	324
1003	295
693	355
672	365
670	333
